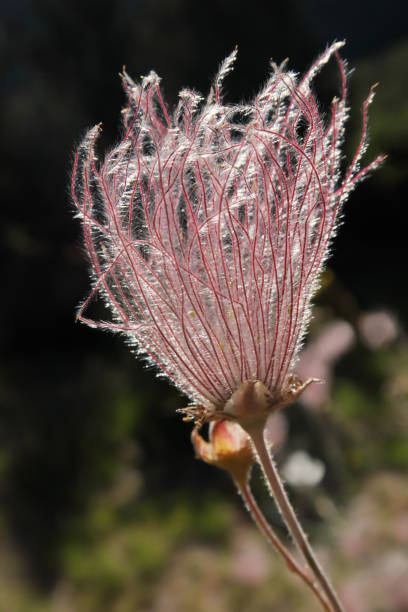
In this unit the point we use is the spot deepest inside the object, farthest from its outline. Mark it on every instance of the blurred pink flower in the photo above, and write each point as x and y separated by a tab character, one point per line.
207	228
276	430
378	329
250	562
319	357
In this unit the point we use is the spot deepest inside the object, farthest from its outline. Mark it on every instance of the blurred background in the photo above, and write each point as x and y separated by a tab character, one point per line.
102	504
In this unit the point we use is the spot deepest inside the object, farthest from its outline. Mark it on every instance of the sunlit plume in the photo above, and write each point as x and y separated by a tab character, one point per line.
207	227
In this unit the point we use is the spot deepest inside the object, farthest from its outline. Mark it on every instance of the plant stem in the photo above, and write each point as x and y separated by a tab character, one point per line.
257	515
288	514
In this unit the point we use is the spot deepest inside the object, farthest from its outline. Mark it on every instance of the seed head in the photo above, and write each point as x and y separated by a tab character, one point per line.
207	228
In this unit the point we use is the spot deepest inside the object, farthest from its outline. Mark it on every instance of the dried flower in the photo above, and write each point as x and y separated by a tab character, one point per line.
207	228
228	448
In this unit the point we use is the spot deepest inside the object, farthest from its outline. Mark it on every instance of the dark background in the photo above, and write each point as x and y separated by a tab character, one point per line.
76	407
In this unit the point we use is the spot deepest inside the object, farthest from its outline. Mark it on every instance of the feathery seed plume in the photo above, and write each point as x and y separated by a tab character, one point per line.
207	229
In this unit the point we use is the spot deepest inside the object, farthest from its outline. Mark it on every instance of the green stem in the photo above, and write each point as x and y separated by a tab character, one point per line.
288	514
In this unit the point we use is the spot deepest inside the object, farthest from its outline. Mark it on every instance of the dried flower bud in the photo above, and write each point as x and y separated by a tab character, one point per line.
228	448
